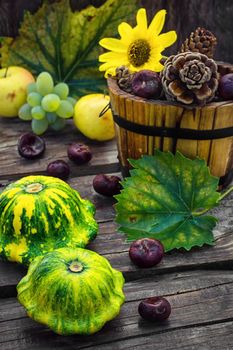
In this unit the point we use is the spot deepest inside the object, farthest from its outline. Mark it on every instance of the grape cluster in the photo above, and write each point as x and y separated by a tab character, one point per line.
47	105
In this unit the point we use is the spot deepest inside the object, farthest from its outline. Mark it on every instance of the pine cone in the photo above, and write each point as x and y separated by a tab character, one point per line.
190	78
124	78
202	40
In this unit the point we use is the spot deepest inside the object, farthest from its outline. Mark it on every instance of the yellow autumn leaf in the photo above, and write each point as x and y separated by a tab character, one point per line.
65	43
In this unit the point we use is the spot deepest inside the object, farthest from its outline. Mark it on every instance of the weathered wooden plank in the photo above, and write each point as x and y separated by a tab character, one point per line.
211	337
12	165
104	205
114	247
199	299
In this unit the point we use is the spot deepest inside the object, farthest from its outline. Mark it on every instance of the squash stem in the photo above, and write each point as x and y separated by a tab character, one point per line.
34	187
76	266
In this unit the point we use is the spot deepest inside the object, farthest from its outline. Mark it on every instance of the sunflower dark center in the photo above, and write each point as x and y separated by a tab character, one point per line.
139	52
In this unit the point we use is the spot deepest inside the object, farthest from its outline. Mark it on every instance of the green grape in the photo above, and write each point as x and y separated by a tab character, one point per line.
25	112
34	99
65	109
62	90
31	88
44	83
50	102
39	126
58	124
51	117
38	112
71	100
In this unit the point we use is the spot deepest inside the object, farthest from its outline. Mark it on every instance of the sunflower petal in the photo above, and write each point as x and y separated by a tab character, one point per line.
156	56
111	56
104	66
135	69
109	68
158	67
142	19
155	66
167	39
110	71
125	30
157	23
110	64
113	44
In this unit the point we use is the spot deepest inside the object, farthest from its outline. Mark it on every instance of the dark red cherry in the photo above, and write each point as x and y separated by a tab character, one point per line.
31	146
58	168
107	185
146	252
225	87
147	84
154	309
79	153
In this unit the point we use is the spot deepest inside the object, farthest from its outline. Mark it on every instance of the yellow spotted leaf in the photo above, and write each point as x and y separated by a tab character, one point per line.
165	198
66	43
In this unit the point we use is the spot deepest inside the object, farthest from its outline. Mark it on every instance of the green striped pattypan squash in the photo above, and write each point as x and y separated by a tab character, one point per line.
41	213
72	291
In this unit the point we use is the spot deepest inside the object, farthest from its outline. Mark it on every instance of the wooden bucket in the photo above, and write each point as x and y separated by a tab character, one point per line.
204	132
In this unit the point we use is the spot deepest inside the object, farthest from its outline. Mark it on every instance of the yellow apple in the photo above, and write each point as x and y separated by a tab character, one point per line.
87	120
13	84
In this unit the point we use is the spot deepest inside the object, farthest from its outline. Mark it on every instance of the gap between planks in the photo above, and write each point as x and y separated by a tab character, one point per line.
204	301
199	337
219	256
13	166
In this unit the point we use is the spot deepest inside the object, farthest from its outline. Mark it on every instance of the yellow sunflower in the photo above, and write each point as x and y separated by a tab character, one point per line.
139	47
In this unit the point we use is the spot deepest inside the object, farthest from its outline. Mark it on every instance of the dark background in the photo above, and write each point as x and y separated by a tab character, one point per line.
182	15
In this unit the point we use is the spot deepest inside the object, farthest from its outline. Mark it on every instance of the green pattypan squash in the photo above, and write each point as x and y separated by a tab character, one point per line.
72	291
41	213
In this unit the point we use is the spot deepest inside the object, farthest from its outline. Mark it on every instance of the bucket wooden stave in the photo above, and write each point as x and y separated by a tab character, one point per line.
218	153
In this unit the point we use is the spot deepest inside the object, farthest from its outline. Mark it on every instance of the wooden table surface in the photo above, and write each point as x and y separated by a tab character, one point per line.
198	284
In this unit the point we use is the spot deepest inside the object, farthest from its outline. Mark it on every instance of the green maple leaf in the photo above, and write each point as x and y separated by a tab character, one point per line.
165	198
66	43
